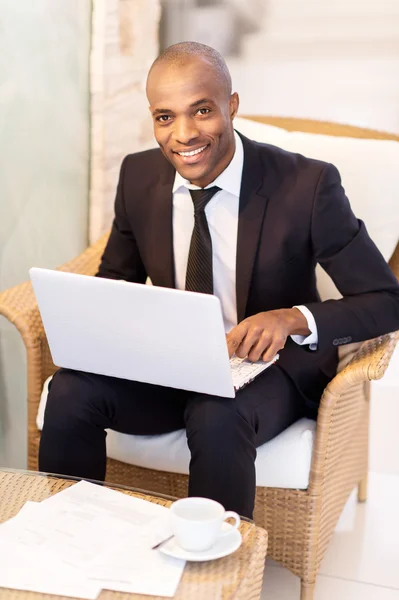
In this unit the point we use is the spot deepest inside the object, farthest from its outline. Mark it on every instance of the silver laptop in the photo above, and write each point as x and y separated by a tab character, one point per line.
139	332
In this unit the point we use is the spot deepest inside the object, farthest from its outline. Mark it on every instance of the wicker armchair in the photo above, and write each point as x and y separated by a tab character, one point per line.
300	523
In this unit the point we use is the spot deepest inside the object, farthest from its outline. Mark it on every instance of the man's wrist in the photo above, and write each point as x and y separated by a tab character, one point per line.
297	322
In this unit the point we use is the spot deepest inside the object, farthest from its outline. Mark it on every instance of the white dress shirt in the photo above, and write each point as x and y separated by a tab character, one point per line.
222	216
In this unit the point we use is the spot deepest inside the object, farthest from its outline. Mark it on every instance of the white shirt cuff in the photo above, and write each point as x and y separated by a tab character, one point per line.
312	339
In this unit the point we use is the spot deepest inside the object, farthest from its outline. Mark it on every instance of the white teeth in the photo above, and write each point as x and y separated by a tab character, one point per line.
193	153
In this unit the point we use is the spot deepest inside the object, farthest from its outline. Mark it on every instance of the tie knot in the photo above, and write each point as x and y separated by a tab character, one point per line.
202	197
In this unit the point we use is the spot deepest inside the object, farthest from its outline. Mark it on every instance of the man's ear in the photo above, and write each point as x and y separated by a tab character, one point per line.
234	104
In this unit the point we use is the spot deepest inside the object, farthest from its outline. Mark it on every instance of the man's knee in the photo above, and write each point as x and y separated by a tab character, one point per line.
215	423
71	394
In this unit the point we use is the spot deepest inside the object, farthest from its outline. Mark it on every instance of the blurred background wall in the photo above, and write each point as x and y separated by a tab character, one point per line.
321	59
44	173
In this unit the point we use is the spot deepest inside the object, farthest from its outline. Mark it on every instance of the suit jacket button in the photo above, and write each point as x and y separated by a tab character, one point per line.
336	342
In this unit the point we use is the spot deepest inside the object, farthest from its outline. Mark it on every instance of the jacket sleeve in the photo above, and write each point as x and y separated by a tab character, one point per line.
121	258
343	248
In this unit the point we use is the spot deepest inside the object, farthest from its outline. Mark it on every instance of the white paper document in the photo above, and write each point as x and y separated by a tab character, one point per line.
85	539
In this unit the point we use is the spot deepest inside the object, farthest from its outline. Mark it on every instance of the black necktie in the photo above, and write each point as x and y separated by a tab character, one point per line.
199	275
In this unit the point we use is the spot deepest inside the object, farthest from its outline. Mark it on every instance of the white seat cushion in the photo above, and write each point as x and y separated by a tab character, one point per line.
283	462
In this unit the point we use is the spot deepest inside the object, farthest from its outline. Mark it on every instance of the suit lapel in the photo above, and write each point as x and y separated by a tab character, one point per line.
253	201
161	219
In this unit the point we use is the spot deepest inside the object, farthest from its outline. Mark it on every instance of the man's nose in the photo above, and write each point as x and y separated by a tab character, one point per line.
185	131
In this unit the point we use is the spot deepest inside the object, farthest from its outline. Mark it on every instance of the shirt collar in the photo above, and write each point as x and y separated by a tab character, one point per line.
229	180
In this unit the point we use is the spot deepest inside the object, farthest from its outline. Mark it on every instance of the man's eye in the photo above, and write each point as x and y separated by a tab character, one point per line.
163	118
203	111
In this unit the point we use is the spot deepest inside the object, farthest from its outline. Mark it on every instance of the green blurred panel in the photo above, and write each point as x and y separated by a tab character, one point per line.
44	166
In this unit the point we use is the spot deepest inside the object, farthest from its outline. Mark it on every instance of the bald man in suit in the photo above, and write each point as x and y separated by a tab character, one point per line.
214	212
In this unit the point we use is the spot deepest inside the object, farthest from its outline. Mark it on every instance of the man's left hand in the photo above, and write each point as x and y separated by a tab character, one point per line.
264	334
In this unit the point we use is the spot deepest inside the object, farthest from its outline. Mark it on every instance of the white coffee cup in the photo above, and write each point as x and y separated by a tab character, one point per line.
197	522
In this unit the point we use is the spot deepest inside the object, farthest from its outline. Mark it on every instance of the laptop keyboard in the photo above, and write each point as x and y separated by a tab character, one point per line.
244	371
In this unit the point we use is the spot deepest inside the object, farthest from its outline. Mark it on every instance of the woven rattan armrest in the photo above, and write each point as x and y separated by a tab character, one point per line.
18	304
369	363
343	407
87	263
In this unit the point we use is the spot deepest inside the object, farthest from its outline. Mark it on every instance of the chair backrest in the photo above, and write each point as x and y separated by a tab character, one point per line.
368	161
323	128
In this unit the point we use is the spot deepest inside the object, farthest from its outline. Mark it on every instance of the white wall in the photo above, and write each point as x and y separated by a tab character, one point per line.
334	60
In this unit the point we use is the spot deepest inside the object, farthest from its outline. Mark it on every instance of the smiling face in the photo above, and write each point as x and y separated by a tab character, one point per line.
193	118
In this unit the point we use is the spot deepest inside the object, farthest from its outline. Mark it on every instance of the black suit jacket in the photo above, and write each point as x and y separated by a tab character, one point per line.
293	213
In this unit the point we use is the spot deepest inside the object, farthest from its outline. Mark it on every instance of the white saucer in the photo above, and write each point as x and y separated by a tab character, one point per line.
224	545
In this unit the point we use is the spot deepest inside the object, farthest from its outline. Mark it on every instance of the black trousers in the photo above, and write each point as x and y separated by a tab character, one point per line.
222	433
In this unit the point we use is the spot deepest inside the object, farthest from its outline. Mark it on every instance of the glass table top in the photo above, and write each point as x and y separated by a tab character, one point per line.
237	576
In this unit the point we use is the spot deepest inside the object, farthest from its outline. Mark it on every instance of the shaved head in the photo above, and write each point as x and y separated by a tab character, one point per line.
184	52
